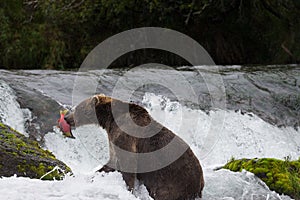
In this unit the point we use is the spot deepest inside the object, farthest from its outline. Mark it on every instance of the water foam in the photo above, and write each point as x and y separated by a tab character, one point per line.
100	186
10	112
243	135
240	136
85	153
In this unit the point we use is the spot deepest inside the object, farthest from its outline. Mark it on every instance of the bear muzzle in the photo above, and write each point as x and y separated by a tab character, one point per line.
70	119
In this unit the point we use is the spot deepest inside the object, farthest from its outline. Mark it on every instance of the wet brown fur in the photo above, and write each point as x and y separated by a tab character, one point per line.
182	179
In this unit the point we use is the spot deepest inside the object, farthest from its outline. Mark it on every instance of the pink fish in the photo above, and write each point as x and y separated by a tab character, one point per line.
64	126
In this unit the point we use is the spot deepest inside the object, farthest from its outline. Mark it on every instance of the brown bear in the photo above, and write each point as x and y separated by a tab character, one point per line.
141	149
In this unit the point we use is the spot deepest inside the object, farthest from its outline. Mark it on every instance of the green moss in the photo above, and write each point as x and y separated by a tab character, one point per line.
41	171
21	168
2	125
27	158
282	176
9	136
23	144
55	174
14	153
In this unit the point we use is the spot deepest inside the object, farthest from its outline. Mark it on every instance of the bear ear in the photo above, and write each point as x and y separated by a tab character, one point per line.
95	99
101	99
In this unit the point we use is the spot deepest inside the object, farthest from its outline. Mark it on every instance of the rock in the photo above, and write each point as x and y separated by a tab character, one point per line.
24	157
43	108
282	176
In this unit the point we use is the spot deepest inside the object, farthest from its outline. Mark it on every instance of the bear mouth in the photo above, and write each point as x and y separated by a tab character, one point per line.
70	119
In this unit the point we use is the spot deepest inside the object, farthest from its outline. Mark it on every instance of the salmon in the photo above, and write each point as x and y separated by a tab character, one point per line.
64	126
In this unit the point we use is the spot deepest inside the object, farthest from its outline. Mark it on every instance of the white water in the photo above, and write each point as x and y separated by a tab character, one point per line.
83	154
10	111
238	136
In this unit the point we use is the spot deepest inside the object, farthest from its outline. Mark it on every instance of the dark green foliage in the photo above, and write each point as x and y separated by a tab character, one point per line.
59	34
283	176
24	157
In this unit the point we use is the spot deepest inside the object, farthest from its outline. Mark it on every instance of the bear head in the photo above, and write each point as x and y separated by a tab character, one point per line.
103	110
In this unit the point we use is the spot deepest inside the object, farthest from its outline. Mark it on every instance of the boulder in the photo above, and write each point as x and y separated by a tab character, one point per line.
23	156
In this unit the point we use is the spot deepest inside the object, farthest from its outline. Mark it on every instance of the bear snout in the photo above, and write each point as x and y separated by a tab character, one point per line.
70	119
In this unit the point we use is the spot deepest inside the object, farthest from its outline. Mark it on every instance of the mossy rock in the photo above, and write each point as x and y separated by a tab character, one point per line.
24	157
282	176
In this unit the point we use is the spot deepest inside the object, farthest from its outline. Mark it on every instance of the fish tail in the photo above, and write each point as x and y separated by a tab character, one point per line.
69	134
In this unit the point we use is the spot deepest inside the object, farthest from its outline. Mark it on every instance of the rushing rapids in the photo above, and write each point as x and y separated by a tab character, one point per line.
261	119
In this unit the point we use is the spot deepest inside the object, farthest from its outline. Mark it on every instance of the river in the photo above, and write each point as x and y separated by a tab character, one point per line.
220	111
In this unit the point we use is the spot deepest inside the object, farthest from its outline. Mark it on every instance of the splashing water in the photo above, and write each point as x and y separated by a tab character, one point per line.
243	135
10	111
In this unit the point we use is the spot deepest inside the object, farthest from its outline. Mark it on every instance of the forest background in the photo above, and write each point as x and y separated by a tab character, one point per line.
58	34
